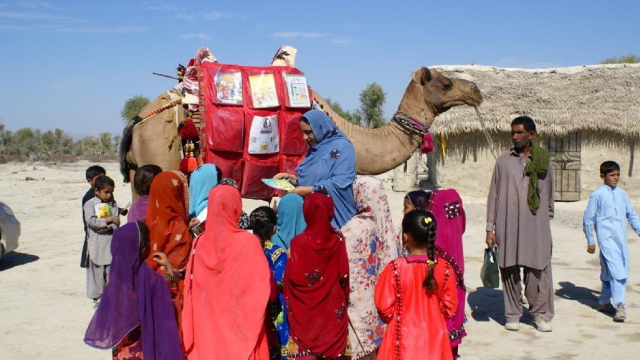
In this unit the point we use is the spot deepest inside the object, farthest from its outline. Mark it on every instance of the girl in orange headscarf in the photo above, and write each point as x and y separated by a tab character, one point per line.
227	287
168	229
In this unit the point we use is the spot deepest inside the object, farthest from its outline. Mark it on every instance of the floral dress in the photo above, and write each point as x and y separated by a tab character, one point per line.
277	258
370	242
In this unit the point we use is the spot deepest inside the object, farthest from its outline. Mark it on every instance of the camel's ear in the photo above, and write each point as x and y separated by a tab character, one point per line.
423	75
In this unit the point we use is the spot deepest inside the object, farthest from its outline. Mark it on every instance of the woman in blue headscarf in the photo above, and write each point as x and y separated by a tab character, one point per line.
329	166
290	220
202	180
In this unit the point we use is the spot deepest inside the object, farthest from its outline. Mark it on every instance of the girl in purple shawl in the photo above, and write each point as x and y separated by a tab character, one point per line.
446	206
142	184
135	317
328	167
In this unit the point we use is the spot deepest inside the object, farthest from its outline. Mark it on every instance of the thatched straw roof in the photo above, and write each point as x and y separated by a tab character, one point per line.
599	98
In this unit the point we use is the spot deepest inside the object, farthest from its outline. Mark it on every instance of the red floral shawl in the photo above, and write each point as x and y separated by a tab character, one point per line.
316	282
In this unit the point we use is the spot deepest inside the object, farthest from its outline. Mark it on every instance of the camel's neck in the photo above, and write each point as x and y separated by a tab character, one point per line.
382	149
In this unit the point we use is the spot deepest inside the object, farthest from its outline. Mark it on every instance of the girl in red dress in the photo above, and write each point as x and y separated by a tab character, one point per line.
415	295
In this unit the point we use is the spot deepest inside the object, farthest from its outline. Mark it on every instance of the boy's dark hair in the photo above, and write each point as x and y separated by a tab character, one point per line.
526	122
93	171
421	225
143	178
262	221
103	181
608	166
144	239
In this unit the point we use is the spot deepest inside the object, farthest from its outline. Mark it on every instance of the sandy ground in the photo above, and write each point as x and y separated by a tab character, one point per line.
44	311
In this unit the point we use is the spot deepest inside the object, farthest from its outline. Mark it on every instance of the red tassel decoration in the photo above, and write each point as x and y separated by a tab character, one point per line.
427	144
184	165
189	132
192	163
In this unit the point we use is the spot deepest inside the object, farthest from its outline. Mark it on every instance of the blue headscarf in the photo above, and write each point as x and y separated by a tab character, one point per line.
203	179
330	166
290	220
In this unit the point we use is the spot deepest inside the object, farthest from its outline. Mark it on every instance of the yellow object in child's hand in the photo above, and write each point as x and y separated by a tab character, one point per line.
103	210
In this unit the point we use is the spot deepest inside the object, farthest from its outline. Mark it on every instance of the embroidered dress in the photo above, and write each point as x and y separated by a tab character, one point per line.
446	206
416	319
316	284
369	237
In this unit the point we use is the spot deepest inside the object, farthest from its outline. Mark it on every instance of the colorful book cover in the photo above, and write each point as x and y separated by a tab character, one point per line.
281	184
263	91
103	210
297	90
229	88
263	135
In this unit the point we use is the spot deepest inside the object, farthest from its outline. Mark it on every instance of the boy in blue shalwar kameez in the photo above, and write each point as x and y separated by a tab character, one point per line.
608	211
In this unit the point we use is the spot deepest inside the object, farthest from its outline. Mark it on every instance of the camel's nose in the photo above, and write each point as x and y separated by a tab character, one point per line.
473	87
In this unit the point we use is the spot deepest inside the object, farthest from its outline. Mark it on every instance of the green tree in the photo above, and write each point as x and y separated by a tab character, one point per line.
372	99
132	107
105	144
625	59
345	114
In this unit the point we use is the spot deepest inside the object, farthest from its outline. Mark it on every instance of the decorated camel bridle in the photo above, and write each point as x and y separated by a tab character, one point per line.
413	127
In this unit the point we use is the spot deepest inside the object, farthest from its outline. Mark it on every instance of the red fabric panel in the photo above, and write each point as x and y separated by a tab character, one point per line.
292	142
254	171
228	128
231	164
225	129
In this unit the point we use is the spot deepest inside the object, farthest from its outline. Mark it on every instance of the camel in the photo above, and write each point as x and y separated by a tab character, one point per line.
428	94
154	140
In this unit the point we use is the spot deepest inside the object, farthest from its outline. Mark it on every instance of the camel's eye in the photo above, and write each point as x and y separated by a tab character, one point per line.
447	84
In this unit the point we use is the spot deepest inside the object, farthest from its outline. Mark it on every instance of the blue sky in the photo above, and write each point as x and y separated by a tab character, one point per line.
73	64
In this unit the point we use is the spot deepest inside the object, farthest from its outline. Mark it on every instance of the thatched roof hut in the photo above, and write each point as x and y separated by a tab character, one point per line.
563	100
585	115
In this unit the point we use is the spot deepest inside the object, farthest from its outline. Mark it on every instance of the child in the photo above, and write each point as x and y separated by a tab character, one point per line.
263	222
91	175
135	317
102	217
608	210
415	294
142	184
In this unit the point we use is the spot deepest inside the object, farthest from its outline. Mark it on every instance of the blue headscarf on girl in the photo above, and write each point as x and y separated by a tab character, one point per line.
202	180
290	220
330	166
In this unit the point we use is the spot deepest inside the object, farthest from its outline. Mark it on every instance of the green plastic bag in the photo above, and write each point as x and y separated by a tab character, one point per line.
489	273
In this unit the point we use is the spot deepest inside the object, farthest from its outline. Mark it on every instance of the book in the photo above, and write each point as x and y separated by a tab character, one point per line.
263	91
297	90
263	135
280	184
103	210
229	88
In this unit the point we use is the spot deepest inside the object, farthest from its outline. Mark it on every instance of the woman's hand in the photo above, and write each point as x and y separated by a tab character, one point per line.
289	177
302	190
193	222
162	260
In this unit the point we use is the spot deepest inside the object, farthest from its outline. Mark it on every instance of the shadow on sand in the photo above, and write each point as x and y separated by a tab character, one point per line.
14	259
487	304
584	296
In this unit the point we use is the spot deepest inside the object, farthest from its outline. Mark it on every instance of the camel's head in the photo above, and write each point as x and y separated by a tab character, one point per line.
441	93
